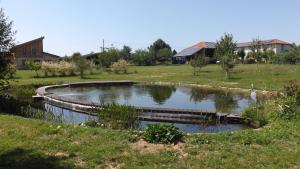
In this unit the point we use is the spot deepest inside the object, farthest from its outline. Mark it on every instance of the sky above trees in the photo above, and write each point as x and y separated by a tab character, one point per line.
80	25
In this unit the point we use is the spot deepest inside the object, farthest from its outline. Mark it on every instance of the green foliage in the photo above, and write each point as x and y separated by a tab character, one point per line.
81	63
225	52
125	53
298	97
120	67
158	45
6	33
36	66
108	57
164	55
286	108
256	116
6	69
143	58
118	116
291	88
198	63
162	133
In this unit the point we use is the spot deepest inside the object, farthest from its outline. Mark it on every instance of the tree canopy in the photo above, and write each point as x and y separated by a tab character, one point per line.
6	42
225	52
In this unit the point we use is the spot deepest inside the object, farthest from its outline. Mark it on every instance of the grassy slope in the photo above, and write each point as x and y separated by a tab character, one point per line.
266	77
38	144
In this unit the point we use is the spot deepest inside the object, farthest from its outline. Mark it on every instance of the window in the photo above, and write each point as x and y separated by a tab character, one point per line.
33	51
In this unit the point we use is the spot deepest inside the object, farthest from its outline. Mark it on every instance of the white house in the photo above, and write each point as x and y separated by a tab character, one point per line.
274	44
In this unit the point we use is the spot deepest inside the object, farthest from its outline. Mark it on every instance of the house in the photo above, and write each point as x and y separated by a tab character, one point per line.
200	49
32	50
275	45
207	49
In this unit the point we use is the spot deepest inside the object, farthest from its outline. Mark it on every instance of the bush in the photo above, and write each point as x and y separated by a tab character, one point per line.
286	108
36	66
256	116
291	88
118	116
298	98
162	133
120	66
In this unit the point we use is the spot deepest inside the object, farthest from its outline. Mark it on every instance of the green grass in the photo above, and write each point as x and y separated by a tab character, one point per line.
28	143
264	76
38	144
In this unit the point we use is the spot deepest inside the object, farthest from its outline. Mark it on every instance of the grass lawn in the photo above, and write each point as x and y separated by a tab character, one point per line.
27	143
264	76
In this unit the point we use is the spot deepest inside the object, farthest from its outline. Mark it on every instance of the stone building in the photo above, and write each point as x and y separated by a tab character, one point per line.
32	50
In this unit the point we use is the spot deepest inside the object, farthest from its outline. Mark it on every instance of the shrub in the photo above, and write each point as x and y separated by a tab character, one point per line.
286	108
291	88
36	66
120	66
162	133
11	70
256	116
118	116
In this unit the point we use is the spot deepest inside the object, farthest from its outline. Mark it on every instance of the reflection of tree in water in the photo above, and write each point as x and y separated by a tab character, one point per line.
112	93
197	94
224	102
160	93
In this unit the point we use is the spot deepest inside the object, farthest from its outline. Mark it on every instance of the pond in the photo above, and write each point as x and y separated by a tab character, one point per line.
158	96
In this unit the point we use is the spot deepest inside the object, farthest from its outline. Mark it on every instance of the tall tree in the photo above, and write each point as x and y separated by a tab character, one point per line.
81	63
6	42
125	53
164	55
225	52
157	46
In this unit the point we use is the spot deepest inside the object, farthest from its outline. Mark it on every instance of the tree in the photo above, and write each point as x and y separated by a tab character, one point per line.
198	63
80	62
174	52
125	53
225	52
106	58
158	45
6	33
36	66
164	55
143	57
6	42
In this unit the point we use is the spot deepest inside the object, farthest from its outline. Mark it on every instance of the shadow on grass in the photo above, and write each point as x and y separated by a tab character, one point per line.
19	158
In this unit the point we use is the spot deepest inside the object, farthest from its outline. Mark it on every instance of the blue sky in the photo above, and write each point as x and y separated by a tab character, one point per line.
80	25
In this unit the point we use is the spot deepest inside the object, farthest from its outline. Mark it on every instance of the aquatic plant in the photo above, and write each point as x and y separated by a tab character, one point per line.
118	116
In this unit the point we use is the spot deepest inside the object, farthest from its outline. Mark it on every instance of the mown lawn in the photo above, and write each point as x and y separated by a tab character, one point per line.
28	143
264	76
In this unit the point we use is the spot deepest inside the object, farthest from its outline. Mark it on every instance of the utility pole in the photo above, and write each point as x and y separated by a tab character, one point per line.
102	45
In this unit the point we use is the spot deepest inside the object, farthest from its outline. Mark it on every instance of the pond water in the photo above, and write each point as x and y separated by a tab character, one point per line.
161	96
72	117
158	96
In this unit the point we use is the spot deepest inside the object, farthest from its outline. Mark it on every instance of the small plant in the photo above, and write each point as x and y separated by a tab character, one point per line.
198	63
120	66
298	98
162	133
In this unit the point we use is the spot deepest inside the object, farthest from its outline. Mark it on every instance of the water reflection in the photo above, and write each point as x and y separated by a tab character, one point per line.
160	93
162	96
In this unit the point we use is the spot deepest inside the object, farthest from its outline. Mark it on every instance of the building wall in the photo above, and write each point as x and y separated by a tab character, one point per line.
275	47
28	51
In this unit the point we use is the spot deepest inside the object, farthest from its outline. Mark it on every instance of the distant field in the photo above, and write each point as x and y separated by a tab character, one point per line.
266	77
